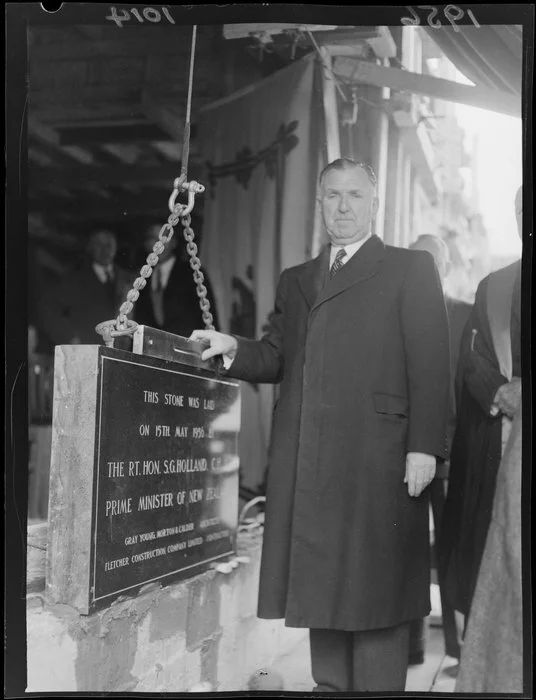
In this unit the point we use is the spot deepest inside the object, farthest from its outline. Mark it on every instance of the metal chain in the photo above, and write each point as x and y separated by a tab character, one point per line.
179	212
195	264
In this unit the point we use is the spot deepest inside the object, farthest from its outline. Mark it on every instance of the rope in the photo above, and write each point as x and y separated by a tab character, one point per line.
186	136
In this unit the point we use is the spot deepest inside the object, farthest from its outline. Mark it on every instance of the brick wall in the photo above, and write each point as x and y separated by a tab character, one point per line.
166	639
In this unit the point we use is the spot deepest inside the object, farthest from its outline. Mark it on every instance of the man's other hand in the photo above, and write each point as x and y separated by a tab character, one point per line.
508	397
420	470
220	344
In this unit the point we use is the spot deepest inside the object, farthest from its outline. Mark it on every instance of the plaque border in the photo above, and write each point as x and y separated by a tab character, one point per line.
98	601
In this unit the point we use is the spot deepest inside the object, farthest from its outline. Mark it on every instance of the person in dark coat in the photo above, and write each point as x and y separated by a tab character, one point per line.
169	301
85	297
488	388
458	312
359	342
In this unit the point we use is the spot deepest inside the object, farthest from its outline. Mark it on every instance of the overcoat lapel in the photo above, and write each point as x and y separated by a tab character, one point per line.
364	264
313	275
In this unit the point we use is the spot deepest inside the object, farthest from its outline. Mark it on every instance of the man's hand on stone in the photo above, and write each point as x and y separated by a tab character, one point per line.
420	471
508	397
220	344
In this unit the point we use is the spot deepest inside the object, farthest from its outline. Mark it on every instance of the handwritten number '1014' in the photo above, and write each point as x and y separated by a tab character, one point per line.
149	13
452	13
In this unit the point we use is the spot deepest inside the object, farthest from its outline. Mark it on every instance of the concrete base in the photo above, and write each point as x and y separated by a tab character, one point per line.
166	639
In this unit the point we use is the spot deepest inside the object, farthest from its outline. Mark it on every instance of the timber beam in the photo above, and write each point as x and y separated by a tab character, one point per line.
105	175
356	71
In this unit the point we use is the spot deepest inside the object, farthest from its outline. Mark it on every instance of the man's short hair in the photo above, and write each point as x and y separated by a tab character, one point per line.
349	164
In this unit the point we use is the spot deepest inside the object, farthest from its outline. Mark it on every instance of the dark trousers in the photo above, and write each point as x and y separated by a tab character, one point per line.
370	661
438	489
450	633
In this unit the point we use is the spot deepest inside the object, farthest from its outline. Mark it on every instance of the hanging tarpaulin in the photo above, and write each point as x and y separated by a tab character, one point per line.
261	148
491	56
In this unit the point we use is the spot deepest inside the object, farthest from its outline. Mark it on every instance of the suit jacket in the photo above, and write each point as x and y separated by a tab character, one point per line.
458	314
363	362
79	302
182	313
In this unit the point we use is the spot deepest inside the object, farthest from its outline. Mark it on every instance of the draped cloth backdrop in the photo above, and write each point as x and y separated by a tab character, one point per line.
261	149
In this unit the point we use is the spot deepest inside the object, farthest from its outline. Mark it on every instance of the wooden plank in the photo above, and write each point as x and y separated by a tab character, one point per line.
168	118
170	149
330	109
104	175
63	113
86	206
357	71
37	156
241	31
76	94
48	136
116	133
163	45
126	153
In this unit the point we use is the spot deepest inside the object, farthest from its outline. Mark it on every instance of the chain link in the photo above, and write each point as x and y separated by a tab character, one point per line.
180	213
195	264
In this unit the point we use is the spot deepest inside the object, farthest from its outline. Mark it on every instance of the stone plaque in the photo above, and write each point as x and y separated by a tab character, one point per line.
156	498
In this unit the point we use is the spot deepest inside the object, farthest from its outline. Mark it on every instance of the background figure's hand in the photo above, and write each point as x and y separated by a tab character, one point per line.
220	344
508	397
420	470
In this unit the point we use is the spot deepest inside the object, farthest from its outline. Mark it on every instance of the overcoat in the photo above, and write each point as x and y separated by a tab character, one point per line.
363	361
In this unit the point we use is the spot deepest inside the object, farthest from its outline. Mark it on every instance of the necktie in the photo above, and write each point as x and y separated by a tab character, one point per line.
158	297
337	263
109	284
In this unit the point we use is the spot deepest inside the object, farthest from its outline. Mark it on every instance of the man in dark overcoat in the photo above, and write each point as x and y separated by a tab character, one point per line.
87	296
488	387
359	342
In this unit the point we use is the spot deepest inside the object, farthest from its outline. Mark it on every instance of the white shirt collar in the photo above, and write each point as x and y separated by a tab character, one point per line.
102	271
164	269
351	249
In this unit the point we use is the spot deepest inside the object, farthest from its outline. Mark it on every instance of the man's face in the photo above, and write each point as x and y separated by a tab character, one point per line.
349	205
151	237
519	212
102	248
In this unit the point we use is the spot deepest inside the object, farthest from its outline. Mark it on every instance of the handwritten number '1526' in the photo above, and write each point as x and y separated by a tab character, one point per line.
149	14
452	13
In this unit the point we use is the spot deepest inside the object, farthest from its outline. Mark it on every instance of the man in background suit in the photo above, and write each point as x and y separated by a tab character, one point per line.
169	301
458	313
359	342
85	297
